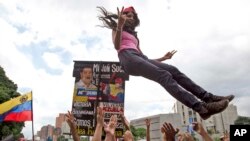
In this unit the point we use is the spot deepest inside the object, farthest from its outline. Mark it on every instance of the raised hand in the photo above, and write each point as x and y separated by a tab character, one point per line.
184	137
110	127
147	122
148	129
70	119
98	129
128	136
169	131
125	122
169	54
100	116
226	136
121	18
198	128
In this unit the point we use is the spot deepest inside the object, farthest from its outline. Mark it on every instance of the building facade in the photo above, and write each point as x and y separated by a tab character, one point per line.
60	125
156	123
218	123
60	119
46	133
222	121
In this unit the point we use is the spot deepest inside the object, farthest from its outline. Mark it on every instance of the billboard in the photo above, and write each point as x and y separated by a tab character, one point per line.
98	83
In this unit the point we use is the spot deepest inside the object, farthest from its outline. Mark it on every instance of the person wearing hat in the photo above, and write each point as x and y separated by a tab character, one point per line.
135	63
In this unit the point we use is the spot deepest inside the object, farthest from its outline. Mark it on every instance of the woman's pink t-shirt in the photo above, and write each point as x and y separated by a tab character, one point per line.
128	41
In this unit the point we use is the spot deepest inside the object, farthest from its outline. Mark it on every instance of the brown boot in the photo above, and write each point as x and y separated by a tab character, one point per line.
213	108
215	98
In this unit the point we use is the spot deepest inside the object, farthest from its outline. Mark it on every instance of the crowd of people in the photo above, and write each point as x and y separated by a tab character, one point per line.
169	133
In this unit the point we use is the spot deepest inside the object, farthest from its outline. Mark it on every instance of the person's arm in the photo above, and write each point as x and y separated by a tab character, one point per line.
110	129
168	55
126	123
128	136
188	137
72	125
199	129
98	130
148	129
116	33
226	136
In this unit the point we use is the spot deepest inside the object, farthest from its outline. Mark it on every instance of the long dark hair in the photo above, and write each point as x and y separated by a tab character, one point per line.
110	21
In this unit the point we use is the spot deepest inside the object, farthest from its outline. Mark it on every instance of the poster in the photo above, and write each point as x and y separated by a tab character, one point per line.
98	83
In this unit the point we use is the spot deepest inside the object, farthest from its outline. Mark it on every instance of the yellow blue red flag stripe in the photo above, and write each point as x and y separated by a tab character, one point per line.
17	109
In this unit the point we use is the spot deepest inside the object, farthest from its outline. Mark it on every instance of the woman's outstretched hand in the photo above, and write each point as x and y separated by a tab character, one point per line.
168	55
121	18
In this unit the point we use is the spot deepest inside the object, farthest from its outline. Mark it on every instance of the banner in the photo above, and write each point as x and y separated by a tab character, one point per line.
98	83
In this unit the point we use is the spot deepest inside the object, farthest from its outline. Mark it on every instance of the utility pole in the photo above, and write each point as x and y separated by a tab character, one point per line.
223	125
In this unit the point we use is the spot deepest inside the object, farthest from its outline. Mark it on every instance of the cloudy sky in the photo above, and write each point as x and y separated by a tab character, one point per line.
39	40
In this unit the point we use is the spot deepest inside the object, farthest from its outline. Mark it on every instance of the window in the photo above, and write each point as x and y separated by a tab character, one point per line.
190	113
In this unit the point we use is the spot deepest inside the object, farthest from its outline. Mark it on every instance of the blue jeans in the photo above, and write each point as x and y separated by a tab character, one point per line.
175	82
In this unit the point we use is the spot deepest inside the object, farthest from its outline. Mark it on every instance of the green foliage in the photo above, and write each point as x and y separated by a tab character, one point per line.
61	138
84	139
8	90
6	130
241	120
210	131
139	133
7	87
216	139
133	130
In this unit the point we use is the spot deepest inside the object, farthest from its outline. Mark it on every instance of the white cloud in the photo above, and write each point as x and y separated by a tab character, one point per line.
53	60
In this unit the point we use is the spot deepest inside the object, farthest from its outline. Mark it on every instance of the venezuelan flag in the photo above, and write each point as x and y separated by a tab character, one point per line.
18	109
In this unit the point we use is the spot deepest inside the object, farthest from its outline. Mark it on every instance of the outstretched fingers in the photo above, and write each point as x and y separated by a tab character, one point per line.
113	119
120	12
100	115
169	131
173	52
148	121
125	122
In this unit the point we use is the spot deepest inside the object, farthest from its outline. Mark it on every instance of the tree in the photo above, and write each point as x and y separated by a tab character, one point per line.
8	90
133	130
84	139
141	132
241	120
61	138
217	139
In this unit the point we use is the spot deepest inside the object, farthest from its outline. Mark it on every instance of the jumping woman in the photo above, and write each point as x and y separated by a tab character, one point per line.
135	63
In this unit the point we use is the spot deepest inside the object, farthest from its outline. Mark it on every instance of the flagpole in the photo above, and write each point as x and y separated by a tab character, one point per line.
32	116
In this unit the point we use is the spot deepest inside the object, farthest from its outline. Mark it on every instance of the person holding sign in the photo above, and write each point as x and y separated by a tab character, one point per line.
134	62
